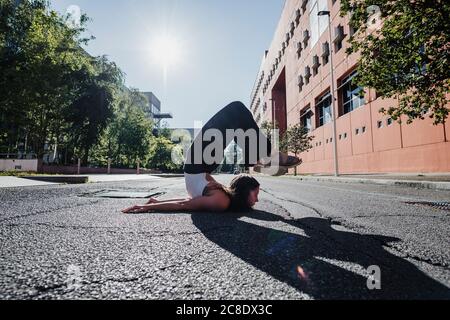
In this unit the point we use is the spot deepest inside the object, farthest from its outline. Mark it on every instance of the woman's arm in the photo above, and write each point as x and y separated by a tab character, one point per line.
210	203
155	200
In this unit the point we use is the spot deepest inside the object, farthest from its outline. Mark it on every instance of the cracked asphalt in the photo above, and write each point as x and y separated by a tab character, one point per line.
305	240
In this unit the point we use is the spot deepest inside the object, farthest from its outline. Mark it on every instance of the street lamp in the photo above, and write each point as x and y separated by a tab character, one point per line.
333	116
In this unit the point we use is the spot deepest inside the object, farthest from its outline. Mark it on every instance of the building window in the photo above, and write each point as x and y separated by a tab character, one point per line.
304	3
377	95
389	121
299	49
315	65
306	118
288	37
340	137
300	83
305	38
338	37
345	135
363	129
298	14
317	24
353	30
307	74
323	109
380	124
357	131
350	94
325	53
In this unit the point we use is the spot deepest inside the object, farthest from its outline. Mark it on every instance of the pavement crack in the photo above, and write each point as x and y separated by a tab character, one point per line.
320	214
417	258
343	223
401	216
40	290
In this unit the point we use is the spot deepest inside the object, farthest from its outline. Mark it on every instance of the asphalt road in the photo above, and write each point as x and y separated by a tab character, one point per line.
305	240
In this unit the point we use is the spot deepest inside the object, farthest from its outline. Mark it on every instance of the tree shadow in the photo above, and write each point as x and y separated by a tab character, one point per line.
317	259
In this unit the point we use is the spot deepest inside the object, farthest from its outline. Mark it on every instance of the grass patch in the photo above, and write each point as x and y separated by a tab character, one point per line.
15	173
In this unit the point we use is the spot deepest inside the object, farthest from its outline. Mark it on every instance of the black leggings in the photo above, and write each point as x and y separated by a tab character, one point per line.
234	116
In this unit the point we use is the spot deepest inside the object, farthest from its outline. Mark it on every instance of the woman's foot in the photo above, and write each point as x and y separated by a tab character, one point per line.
289	161
284	160
266	170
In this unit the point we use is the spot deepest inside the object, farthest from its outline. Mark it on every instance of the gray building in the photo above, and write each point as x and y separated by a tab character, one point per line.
155	108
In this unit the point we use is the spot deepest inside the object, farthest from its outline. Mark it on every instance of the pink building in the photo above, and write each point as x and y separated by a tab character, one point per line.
293	85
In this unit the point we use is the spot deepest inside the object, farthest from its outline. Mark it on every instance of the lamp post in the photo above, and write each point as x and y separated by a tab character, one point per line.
333	100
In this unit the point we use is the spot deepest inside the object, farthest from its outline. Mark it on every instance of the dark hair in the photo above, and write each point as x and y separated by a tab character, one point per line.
240	188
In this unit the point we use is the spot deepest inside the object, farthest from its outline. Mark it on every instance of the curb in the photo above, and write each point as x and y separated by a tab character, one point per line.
167	175
433	185
60	179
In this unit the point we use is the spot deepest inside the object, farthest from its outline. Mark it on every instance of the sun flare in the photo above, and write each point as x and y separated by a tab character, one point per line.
166	51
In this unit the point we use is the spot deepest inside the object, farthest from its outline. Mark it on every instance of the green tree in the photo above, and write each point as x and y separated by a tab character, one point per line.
132	136
296	140
91	112
161	155
40	58
404	47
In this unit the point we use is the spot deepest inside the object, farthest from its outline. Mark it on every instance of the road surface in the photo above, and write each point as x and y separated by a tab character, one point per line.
305	240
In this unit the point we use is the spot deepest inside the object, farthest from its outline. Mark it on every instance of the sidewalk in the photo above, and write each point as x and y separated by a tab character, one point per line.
11	182
438	181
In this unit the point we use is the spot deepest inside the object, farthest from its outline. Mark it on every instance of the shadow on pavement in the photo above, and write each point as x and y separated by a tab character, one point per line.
312	261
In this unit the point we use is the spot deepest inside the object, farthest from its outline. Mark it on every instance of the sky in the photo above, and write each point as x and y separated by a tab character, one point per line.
218	48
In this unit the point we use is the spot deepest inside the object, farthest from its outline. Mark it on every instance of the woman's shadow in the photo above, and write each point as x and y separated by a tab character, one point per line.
318	259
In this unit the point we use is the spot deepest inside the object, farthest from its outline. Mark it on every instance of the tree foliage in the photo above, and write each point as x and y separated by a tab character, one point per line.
296	140
404	47
55	97
41	62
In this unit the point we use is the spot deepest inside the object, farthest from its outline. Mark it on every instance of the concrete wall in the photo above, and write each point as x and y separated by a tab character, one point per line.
418	147
87	170
18	165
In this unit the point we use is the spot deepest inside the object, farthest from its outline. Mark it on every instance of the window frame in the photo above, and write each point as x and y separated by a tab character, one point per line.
320	110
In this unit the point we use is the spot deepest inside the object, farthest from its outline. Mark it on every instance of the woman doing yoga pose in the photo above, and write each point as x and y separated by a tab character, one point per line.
205	193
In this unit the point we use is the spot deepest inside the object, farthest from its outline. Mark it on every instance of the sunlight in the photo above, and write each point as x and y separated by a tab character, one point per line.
166	51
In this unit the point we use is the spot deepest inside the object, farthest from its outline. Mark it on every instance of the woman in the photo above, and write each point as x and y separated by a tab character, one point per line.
205	193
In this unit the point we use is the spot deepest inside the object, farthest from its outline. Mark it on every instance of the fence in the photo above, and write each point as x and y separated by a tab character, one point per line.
54	169
34	165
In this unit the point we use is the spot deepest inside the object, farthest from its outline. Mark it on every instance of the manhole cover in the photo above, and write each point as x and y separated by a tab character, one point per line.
436	205
123	194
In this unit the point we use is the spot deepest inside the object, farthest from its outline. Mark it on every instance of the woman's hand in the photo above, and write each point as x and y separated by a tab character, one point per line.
137	209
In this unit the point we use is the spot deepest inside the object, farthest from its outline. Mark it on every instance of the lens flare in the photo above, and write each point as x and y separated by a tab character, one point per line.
166	51
302	274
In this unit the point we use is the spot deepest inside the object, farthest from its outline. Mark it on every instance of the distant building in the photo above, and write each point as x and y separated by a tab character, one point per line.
155	109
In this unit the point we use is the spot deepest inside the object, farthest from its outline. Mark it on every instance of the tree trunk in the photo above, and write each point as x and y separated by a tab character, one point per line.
85	158
295	169
25	147
445	132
